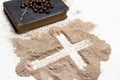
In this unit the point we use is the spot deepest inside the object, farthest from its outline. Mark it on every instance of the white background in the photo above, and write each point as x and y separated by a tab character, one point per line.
104	13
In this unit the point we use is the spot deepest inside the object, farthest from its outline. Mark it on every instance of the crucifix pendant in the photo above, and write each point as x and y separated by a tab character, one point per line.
24	12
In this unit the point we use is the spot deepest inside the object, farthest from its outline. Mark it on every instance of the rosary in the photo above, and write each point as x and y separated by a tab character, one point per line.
38	6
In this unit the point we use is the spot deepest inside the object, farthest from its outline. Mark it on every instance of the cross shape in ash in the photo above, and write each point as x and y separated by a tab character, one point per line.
68	49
